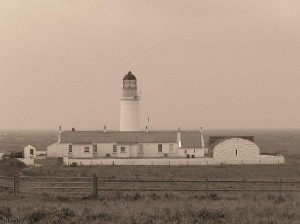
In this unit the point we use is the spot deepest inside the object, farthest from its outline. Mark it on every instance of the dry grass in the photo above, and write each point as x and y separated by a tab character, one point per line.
159	208
176	172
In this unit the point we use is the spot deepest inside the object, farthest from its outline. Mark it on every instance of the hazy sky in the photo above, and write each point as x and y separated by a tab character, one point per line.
210	63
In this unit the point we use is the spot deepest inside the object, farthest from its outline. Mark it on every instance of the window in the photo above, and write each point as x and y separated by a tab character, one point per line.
95	148
86	149
171	148
194	150
141	148
70	148
31	151
114	148
185	151
236	152
123	149
159	147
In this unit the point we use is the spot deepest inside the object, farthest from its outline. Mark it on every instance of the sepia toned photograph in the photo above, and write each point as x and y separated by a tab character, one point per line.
150	112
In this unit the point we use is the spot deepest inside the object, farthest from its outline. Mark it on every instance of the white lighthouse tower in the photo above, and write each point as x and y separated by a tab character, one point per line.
130	113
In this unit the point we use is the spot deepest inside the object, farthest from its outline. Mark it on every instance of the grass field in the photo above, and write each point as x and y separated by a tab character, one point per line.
158	208
291	171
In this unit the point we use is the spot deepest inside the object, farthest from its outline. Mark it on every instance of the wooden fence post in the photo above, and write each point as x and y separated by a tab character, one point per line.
95	186
280	188
206	187
244	187
16	186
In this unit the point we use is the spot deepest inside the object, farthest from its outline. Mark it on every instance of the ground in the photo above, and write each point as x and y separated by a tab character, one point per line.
165	207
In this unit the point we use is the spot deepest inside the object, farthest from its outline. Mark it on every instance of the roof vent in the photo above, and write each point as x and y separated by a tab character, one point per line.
73	129
104	128
146	130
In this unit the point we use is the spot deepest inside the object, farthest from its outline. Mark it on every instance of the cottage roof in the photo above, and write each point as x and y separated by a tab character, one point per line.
189	139
214	140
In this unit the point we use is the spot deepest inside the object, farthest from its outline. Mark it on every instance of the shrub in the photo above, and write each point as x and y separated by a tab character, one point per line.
62	198
5	212
206	214
137	196
101	216
154	196
280	199
214	197
73	164
11	167
271	196
68	212
37	215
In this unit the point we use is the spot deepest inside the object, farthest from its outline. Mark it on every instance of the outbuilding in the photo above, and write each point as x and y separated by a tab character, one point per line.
29	152
239	150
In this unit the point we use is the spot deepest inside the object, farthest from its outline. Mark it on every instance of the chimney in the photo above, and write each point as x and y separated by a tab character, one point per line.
146	130
59	134
73	129
202	139
179	137
104	128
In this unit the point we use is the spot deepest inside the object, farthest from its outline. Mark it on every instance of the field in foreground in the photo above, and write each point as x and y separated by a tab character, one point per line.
291	171
157	208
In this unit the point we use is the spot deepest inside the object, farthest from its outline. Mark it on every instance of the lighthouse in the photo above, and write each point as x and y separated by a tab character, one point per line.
130	113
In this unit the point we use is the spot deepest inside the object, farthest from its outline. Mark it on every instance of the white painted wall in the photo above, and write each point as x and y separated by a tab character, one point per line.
27	161
168	161
27	152
140	161
235	150
197	152
57	150
129	114
79	152
52	150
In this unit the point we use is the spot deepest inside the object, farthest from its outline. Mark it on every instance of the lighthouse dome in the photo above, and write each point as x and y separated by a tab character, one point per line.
129	76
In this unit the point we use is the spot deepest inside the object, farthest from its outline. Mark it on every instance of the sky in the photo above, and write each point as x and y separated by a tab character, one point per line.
212	63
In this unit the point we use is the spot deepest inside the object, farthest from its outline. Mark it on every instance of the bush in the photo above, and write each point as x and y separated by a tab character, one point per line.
154	196
206	214
62	198
68	212
36	216
280	199
214	197
5	212
73	164
137	196
11	167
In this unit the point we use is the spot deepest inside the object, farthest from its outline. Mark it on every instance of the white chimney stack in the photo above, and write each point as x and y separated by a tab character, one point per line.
59	134
202	139
179	137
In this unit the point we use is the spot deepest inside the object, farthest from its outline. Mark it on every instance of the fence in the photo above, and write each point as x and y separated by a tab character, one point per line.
91	186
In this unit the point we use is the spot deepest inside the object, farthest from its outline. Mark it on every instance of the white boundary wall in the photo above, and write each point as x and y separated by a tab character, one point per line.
27	161
167	161
147	162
